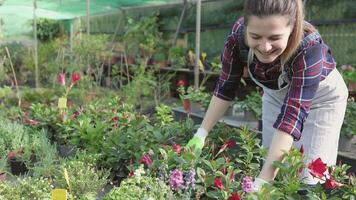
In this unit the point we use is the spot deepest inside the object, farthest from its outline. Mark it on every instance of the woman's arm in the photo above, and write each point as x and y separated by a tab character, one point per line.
216	110
281	142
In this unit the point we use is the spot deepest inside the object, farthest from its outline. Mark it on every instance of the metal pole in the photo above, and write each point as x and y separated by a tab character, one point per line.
180	22
88	17
36	43
197	45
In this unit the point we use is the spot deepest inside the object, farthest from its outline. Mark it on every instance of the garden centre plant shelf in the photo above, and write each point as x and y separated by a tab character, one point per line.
233	121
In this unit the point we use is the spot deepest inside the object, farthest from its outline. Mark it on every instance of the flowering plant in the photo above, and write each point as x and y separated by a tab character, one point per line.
61	78
192	94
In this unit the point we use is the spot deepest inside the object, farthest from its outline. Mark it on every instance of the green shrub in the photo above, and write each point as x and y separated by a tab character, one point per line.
140	187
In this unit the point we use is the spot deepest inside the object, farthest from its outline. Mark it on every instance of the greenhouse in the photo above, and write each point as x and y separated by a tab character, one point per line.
177	99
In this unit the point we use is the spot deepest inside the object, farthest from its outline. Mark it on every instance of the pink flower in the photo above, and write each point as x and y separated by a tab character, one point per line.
146	159
177	148
218	183
247	184
181	83
317	168
75	77
176	179
234	196
61	78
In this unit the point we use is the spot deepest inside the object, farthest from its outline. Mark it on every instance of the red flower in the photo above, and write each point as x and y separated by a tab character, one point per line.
234	196
228	144
75	77
218	183
61	78
317	168
146	159
115	118
176	148
181	83
331	184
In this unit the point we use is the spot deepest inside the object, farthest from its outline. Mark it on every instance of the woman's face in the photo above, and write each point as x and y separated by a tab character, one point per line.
268	36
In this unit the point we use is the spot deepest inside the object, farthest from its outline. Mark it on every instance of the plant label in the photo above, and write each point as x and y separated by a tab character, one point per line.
62	102
59	194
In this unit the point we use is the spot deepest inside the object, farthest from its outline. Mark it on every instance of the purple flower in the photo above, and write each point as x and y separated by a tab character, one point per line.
176	179
189	179
247	184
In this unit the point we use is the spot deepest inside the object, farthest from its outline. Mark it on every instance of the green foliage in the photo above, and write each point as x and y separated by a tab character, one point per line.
252	102
84	179
196	95
164	115
349	124
142	85
142	37
177	57
47	29
140	187
14	135
26	188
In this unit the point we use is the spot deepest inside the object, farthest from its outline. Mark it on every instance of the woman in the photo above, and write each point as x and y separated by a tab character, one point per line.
304	98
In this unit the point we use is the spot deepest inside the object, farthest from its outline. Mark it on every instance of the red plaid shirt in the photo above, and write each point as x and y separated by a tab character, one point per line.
312	62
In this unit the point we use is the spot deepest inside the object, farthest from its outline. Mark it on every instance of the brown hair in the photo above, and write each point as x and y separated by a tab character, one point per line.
292	8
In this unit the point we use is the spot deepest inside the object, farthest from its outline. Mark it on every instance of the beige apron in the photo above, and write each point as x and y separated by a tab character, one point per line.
321	130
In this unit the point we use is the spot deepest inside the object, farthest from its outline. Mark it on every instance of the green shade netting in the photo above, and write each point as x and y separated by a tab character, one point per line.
16	15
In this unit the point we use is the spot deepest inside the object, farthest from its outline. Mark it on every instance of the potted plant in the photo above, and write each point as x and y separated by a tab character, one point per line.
347	141
17	164
194	100
252	106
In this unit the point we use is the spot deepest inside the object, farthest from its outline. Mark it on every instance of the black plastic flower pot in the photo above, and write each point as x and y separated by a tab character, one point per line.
18	167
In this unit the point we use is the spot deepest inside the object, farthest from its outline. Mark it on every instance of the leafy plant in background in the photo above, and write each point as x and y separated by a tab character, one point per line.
349	124
195	95
177	57
252	102
47	29
348	72
52	57
142	37
88	50
142	85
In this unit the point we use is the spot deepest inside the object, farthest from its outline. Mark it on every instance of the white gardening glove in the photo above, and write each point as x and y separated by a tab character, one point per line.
257	184
198	139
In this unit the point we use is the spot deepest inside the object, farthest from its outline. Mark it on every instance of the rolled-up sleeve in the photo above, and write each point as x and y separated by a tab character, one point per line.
307	70
232	67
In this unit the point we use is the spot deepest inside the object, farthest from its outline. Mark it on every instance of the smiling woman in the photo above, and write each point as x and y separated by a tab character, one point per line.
304	96
268	37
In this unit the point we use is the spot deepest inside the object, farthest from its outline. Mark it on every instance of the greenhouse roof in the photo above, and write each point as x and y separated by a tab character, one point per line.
69	9
15	15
